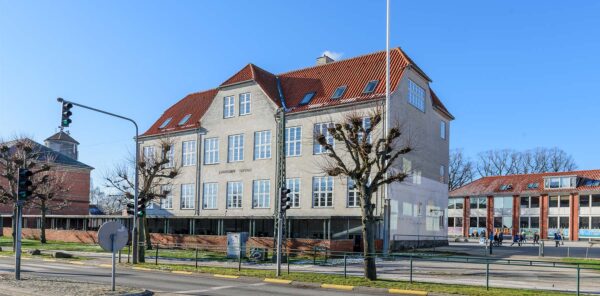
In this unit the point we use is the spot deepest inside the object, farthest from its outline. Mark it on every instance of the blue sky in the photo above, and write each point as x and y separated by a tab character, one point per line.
516	74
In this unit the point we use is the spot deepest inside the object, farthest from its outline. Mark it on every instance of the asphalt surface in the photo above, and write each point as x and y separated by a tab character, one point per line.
164	283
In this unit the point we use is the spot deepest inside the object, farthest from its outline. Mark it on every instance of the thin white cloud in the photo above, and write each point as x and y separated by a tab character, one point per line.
332	54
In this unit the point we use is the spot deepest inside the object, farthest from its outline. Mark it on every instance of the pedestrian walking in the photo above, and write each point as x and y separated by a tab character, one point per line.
515	240
557	239
536	238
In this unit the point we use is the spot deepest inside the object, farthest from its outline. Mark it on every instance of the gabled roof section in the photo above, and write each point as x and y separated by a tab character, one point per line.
47	154
195	104
354	72
492	185
438	105
62	136
265	79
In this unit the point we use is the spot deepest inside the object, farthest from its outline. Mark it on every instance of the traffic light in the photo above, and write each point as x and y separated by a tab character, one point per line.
66	114
285	199
141	210
25	189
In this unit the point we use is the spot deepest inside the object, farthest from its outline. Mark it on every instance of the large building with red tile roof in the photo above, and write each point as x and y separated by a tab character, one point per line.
225	141
567	203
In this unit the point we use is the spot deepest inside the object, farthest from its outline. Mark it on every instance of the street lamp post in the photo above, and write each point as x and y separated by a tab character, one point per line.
134	234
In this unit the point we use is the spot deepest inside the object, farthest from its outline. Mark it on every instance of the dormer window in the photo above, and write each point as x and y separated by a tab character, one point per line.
506	187
339	92
166	122
185	119
307	97
560	182
370	87
533	185
590	182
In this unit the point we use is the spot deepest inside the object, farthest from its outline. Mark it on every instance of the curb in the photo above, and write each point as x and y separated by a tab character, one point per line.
143	268
338	287
181	272
277	281
226	276
407	292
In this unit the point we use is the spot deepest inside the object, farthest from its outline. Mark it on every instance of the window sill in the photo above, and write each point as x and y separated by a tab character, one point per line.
212	163
209	209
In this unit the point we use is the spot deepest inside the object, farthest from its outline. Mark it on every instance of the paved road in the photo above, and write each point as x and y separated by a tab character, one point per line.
166	283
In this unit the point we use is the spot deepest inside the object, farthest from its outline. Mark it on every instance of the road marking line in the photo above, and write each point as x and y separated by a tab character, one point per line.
339	287
181	272
76	262
407	292
2	256
49	260
277	281
25	258
106	265
142	268
226	276
204	290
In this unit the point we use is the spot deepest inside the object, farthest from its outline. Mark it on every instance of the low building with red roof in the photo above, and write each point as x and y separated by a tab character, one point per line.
225	141
567	203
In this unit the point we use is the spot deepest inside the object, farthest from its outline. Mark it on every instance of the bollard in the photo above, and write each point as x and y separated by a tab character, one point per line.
314	256
288	262
196	259
568	251
119	256
578	274
586	252
411	269
345	266
487	276
240	260
491	246
156	256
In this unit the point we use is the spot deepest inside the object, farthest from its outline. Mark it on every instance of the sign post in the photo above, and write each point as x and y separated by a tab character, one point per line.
112	236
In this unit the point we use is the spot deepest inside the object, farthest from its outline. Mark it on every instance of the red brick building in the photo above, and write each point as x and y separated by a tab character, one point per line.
61	148
564	202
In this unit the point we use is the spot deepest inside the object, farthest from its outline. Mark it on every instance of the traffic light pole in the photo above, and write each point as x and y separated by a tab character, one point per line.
134	231
18	239
279	240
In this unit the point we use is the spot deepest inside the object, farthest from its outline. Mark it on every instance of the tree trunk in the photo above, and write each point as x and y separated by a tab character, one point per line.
141	248
370	268
43	210
147	234
14	228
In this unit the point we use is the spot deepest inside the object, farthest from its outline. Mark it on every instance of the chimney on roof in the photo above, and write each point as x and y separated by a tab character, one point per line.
325	59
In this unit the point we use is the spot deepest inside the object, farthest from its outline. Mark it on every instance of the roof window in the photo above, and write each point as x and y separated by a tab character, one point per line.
533	185
307	97
370	87
166	122
339	92
185	119
506	187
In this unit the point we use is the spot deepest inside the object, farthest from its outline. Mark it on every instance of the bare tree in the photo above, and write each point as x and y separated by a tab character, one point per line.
461	170
14	155
109	204
367	160
156	172
538	160
49	196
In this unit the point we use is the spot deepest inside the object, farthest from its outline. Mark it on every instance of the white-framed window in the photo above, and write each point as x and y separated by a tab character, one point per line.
167	201
322	129
478	203
148	153
244	104
171	157
442	173
366	124
234	195
187	196
262	145
209	195
560	182
293	184
293	141
456	203
188	153
228	106
353	195
443	130
235	148
559	201
416	95
530	202
261	197
211	150
322	192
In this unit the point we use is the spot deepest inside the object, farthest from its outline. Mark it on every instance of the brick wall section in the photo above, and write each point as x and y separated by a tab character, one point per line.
78	181
467	216
574	225
490	215
91	237
516	214
544	216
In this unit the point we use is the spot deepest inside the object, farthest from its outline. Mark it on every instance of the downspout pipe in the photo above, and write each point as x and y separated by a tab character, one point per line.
281	97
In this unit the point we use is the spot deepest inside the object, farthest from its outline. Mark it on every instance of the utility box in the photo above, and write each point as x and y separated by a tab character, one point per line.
236	244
